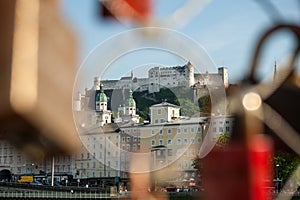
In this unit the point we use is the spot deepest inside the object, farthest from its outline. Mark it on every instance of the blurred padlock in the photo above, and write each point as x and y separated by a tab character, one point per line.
126	10
285	101
37	72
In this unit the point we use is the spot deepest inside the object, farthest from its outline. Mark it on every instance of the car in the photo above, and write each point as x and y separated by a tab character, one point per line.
35	183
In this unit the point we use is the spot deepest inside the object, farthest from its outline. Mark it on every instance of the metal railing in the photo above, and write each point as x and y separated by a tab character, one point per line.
55	195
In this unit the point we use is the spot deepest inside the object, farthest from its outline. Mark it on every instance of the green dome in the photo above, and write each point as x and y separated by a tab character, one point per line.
101	96
130	102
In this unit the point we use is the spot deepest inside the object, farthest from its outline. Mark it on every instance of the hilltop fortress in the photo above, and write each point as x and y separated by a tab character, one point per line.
169	77
158	77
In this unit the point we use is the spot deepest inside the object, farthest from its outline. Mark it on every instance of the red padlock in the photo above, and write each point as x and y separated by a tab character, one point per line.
128	10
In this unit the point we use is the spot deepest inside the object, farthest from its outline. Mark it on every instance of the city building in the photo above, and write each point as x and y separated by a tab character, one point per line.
170	77
172	141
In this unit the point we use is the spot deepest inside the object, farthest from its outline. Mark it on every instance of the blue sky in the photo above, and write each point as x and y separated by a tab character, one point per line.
227	29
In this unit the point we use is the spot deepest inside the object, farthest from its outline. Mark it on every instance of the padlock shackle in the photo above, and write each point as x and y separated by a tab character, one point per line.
256	56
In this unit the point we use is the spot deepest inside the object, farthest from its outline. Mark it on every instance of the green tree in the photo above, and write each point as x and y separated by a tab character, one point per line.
188	108
286	163
223	140
205	104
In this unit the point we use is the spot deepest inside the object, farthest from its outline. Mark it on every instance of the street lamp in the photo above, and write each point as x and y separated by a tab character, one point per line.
277	178
276	171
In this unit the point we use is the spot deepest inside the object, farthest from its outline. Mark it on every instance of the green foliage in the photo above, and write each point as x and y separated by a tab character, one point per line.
197	164
141	120
188	108
143	102
180	96
223	140
205	104
287	162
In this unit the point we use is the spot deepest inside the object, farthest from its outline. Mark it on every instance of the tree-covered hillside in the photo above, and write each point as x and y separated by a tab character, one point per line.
180	96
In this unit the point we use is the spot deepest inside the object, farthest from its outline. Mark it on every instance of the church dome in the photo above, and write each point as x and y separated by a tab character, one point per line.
130	102
101	97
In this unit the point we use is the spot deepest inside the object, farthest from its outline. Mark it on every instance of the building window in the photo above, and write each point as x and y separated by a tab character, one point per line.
179	165
128	139
156	121
152	132
19	159
227	129
170	153
185	130
185	141
178	130
159	111
161	142
160	132
162	120
221	129
186	164
199	140
214	129
192	130
178	141
199	129
169	141
169	131
192	140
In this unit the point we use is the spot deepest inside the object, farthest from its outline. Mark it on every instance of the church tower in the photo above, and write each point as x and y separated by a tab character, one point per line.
100	99
127	112
103	116
130	105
